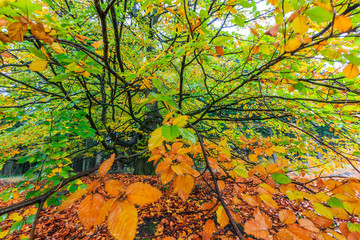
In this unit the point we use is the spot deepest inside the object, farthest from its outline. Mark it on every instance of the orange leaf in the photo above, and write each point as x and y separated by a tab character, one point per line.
308	224
163	166
89	209
259	226
113	187
142	193
209	229
97	44
209	206
222	217
184	185
71	199
105	166
342	23
354	236
122	221
17	30
93	186
6	55
167	175
104	211
219	50
351	71
287	216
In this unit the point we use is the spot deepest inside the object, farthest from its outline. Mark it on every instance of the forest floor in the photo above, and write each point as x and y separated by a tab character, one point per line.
170	216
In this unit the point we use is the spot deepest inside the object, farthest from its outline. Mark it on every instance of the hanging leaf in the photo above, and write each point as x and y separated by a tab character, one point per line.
156	139
219	50
292	45
281	178
342	23
72	199
122	221
273	31
38	65
106	165
17	30
57	48
351	71
114	188
89	209
184	185
142	193
103	212
300	25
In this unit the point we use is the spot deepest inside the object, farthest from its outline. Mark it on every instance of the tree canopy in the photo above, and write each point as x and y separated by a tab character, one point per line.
265	92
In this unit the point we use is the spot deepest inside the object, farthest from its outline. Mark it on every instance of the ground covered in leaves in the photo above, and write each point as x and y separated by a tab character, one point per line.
168	217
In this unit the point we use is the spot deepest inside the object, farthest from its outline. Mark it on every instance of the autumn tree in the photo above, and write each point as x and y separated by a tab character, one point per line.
240	91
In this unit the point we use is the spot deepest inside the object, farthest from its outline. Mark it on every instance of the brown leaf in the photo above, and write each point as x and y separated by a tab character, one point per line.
142	193
6	55
273	31
4	38
89	209
122	221
105	166
17	30
219	50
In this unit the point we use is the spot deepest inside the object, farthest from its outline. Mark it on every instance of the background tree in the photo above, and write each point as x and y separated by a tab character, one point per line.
193	82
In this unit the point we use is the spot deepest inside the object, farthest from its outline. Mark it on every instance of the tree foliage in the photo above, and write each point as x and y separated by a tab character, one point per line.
260	91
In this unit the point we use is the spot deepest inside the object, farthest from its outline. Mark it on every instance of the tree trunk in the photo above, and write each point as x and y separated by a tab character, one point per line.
142	167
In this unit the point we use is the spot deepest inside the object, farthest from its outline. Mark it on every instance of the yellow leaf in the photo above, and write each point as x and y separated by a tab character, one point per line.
57	48
38	65
156	139
142	193
15	217
3	234
351	71
300	24
17	30
105	166
222	217
322	210
72	198
122	221
342	23
287	216
339	213
89	209
250	200
292	45
181	121
269	201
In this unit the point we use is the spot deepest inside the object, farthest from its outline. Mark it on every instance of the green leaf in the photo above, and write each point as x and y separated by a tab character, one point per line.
189	135
170	132
353	227
16	226
3	217
281	178
30	219
25	6
37	52
335	202
319	14
61	77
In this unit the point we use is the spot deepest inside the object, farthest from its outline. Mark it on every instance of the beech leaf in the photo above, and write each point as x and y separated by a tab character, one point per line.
89	209
142	193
